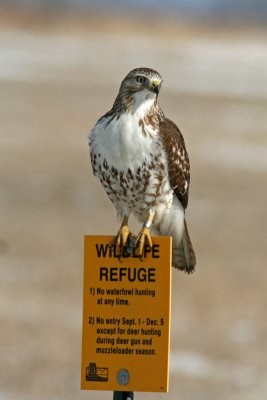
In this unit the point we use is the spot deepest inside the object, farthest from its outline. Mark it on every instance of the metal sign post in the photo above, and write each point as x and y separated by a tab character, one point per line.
126	318
123	396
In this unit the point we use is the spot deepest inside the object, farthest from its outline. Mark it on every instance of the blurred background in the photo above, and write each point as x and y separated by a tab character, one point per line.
61	64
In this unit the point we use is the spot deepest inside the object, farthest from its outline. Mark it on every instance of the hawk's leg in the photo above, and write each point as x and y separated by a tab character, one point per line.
144	236
121	238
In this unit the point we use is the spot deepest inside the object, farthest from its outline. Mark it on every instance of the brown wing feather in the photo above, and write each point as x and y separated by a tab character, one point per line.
179	166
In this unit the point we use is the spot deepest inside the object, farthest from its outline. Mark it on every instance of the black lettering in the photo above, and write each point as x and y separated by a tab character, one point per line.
132	274
113	252
142	276
104	274
123	272
155	251
113	274
145	352
101	250
147	249
151	275
135	253
150	321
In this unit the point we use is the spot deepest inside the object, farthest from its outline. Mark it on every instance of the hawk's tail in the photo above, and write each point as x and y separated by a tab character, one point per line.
183	255
174	224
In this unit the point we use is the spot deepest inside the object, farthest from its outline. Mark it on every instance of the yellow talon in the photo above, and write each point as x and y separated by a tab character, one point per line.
120	239
143	238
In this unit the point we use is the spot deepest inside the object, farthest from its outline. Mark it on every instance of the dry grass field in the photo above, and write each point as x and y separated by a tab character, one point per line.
56	79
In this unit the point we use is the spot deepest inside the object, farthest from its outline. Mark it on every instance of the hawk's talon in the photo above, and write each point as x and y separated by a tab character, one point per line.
144	237
120	240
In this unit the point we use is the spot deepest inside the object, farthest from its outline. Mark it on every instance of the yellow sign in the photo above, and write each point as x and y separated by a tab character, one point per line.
126	317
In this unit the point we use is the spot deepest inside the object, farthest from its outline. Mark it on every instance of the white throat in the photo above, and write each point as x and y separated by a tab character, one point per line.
143	101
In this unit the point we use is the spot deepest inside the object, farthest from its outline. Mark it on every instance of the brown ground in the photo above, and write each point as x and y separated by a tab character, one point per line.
55	81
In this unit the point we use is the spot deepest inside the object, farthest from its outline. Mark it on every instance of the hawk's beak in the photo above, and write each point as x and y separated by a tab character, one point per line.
155	86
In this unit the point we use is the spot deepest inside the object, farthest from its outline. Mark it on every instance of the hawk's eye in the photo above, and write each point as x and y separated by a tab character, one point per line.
140	79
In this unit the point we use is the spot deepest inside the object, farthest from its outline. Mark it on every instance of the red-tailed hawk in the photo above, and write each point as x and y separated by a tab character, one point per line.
139	156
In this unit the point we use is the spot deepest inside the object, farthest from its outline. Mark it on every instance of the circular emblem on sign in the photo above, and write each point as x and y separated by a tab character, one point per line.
123	377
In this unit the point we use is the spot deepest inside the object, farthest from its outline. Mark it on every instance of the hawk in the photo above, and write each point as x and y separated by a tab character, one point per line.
140	157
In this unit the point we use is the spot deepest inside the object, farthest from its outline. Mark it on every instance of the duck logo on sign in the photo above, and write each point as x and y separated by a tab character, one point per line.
96	374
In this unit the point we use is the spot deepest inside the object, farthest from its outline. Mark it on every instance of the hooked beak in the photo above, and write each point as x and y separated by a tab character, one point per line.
155	86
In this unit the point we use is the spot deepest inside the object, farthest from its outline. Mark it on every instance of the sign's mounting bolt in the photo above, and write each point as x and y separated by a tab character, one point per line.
123	377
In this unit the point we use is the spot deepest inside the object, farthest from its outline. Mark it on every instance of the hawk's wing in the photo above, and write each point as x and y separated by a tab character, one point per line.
178	161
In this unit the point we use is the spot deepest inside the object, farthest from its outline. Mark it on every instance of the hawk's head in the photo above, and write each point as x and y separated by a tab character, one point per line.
142	79
138	91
